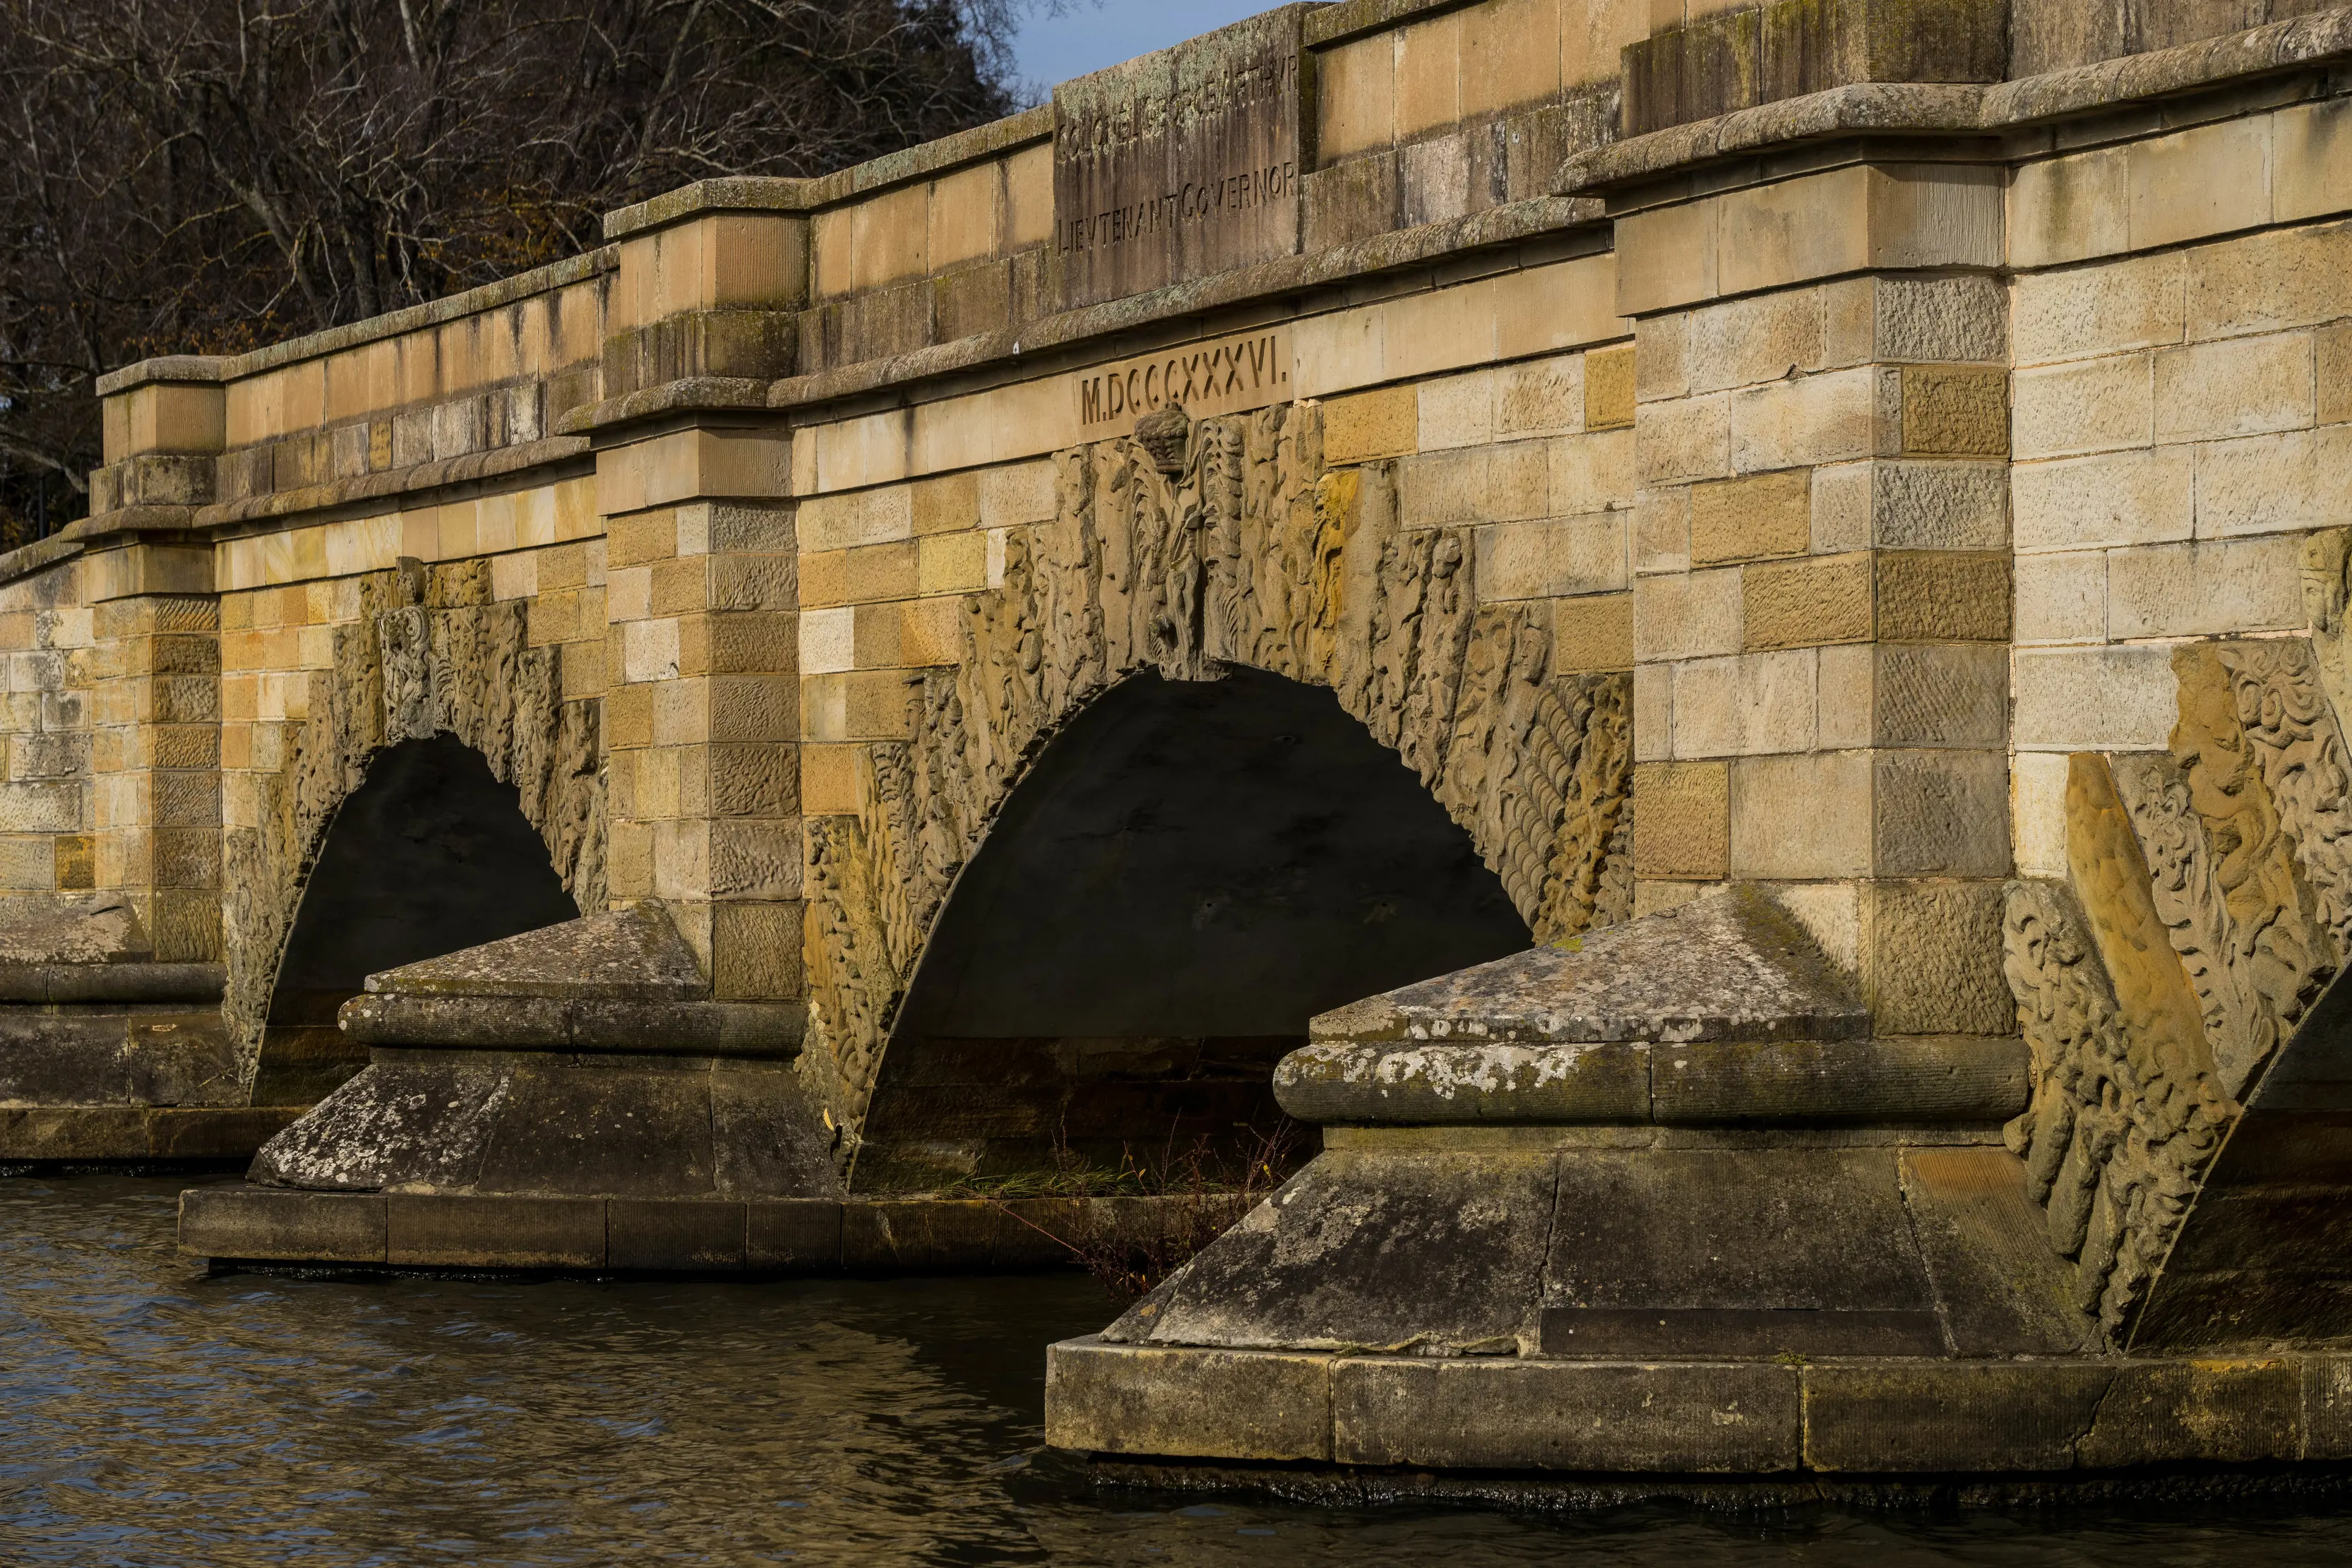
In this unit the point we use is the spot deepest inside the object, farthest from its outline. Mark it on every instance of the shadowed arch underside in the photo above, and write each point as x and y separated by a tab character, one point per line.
1191	870
430	855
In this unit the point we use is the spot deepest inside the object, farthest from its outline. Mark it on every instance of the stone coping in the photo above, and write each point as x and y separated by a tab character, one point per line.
1786	1416
112	982
1913	1080
770	1030
1327	26
1931	108
1094	332
857	1235
391	484
122	1134
182	367
785	194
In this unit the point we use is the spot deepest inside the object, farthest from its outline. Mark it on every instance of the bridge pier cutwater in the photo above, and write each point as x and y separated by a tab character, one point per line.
1710	646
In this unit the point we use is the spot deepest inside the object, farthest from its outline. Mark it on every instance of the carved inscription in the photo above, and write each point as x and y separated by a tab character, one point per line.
1225	375
1180	164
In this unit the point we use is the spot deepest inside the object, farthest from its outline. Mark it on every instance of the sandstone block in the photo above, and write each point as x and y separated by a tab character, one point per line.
1588	473
2064	209
945	504
1016	493
1804	603
1662	529
1594	632
2135	302
1455	411
1744	705
2090	405
1441	488
1933	960
1823	418
1683	440
2037	812
2334	375
1653	711
1503	1412
2240	386
2092	699
1954	410
1384	424
2208	587
1686	615
1941	813
1661	366
2062	598
854	517
1951	1416
828	779
1668	257
1800	817
1928	694
1682	819
1541	560
1608	387
2268	282
1927	596
1543	398
1897	317
2207	179
1751	519
755	951
2264	484
1762	338
1143	1399
2311	160
2119	498
952	564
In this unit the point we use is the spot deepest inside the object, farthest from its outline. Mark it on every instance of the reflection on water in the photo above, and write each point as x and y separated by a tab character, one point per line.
151	1416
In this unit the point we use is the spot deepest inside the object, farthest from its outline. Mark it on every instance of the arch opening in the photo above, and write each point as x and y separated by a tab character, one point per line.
429	855
1191	870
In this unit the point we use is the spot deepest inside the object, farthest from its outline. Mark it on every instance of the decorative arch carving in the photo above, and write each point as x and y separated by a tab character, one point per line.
1182	551
432	652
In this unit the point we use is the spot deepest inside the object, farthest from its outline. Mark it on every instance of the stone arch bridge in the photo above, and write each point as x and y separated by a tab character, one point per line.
1701	632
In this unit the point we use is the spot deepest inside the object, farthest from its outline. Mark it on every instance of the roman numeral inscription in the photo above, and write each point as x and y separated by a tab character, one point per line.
1222	375
1180	164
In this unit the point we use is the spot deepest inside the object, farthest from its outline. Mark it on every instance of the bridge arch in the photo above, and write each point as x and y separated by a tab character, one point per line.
1190	871
435	693
1190	551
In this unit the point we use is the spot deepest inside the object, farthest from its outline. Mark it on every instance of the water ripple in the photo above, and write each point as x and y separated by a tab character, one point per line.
156	1417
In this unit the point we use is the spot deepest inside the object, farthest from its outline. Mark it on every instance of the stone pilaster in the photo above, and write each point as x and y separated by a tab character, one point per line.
1821	607
702	711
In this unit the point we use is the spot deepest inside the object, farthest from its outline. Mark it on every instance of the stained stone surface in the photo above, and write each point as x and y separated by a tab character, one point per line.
633	954
558	1125
1730	966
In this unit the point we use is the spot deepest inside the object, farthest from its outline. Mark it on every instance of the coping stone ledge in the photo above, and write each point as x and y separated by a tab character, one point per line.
1918	1080
131	981
1929	108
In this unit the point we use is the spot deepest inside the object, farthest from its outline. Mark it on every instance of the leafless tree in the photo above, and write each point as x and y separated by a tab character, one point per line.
206	176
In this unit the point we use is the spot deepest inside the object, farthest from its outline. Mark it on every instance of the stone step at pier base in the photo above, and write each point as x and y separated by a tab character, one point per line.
1656	1205
573	1099
109	1057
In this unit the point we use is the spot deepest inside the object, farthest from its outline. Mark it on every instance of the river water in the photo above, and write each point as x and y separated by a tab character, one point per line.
150	1414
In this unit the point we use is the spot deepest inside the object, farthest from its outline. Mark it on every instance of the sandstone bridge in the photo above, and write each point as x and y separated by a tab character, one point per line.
1708	642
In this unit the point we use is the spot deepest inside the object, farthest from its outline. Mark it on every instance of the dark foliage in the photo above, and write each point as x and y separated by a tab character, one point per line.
202	176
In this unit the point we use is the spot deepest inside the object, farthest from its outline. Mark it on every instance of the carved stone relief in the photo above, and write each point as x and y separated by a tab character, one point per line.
2214	884
431	651
1234	546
